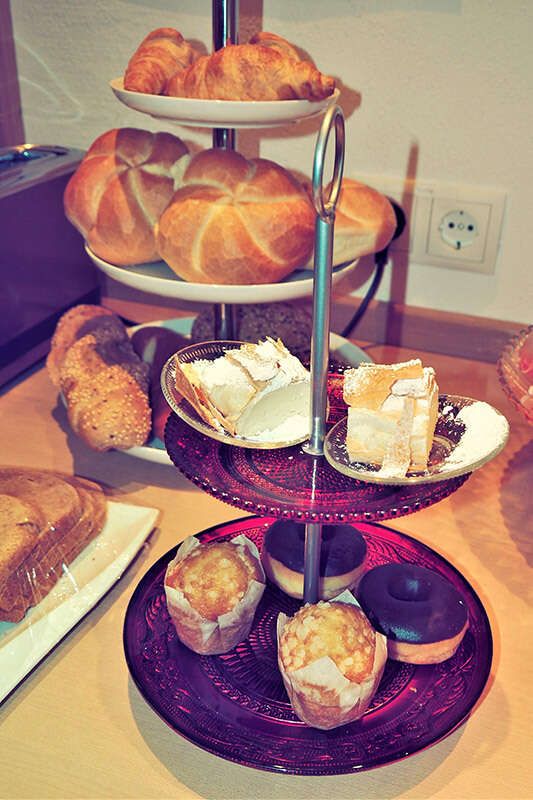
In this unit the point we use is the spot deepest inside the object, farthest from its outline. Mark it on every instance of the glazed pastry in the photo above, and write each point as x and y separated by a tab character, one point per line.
212	591
331	661
421	613
342	558
257	391
162	53
251	72
391	416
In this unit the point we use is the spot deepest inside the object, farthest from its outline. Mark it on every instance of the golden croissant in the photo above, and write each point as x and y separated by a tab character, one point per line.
251	72
161	54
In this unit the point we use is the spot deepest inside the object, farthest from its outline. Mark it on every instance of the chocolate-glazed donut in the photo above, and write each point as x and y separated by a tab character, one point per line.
342	557
421	613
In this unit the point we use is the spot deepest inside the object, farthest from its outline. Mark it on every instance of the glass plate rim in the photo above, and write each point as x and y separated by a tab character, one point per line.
433	740
510	351
412	480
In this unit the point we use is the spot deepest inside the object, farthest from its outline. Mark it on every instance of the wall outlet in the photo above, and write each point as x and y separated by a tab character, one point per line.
440	215
464	230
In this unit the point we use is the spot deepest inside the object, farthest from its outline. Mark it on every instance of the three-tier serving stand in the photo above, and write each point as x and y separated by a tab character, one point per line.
206	699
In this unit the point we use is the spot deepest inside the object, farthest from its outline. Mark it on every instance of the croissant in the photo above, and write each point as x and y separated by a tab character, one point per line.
277	43
251	72
162	53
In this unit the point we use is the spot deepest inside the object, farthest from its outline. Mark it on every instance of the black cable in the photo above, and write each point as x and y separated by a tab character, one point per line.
380	262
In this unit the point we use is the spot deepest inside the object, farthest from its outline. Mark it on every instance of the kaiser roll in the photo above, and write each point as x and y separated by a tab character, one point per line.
365	222
236	221
117	194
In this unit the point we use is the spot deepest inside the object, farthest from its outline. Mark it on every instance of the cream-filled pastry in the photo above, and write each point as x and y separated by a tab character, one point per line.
256	391
392	413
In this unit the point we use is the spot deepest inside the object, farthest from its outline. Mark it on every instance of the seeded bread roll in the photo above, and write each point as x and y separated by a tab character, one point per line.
74	323
104	383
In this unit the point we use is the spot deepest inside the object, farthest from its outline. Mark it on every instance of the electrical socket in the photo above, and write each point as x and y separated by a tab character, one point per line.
464	232
430	205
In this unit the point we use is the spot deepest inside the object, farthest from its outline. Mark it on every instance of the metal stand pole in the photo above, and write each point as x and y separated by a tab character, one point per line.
321	321
225	15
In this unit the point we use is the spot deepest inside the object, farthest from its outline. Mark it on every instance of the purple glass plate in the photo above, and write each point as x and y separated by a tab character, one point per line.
235	706
515	383
291	483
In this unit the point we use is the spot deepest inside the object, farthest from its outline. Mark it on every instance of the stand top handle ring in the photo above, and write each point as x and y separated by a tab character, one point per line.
325	207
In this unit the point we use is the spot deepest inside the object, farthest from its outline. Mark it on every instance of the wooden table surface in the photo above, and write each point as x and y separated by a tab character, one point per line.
77	727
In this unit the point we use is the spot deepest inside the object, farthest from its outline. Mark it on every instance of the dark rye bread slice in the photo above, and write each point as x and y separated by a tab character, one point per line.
55	547
42	568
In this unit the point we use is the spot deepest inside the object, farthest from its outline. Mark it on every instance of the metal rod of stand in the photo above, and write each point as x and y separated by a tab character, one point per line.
225	17
312	548
321	322
224	321
325	209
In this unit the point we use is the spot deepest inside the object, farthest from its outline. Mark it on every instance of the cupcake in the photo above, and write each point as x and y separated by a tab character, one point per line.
331	661
212	592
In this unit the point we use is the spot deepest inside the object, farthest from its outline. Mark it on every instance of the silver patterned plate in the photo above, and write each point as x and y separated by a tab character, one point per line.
468	434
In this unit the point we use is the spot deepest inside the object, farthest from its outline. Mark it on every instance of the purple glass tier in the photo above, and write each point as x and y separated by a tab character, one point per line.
291	483
235	706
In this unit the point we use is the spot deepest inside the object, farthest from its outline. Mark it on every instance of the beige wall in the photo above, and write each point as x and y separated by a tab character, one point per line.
448	80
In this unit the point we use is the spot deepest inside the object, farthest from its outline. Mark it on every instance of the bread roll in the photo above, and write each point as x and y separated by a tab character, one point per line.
120	189
365	222
236	221
104	383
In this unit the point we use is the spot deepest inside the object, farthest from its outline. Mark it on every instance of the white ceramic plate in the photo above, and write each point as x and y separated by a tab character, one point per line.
154	450
157	278
221	113
463	442
24	644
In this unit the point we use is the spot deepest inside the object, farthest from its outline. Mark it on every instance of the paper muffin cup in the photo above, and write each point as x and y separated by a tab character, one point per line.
320	695
213	637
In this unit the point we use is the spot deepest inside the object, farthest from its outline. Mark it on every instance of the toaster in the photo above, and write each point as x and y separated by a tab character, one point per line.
44	269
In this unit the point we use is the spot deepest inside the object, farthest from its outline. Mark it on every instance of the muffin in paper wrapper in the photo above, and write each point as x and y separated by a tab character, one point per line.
320	695
212	637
